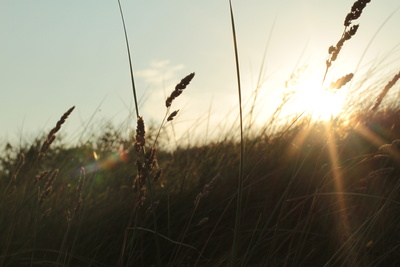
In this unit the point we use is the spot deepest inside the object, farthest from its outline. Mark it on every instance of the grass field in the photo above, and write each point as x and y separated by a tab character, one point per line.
305	192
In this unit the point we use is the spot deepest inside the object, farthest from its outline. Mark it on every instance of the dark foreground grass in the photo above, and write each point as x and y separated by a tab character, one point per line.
318	194
312	194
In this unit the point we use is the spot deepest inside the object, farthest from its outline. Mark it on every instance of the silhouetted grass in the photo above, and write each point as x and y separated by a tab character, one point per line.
291	205
310	193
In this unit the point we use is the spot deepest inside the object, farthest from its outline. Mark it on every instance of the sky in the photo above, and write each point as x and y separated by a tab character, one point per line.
59	54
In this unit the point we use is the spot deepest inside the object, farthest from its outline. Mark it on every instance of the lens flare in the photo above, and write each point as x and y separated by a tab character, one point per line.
108	162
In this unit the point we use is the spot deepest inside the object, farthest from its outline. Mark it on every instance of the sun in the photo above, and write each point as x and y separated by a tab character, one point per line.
320	103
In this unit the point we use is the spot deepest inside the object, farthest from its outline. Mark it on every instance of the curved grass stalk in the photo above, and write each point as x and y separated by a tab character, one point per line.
130	59
236	236
156	236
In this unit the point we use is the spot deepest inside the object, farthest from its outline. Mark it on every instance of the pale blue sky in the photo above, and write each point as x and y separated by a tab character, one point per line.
56	54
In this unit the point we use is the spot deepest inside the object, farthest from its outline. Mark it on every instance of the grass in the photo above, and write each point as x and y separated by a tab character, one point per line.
291	205
309	194
238	217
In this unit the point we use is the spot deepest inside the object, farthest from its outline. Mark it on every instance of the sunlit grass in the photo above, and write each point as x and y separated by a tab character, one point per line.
308	186
318	185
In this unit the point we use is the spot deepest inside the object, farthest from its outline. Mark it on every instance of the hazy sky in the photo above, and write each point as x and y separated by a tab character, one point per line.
56	54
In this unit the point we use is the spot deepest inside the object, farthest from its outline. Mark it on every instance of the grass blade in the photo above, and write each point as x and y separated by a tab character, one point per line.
130	60
236	235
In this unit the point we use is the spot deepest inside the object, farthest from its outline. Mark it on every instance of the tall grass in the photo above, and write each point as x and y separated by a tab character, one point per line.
312	193
238	217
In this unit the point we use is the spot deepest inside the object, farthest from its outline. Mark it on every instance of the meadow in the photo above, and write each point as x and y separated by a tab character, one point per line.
303	192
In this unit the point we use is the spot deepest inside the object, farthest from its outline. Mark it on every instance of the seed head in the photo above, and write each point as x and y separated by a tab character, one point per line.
51	136
342	81
172	115
179	88
140	134
385	91
356	11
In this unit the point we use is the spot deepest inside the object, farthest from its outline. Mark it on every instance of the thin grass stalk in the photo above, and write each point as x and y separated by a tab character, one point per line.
171	240
253	234
364	228
89	122
236	236
295	174
206	190
35	229
279	205
374	37
163	122
259	79
132	245
140	143
83	208
383	257
20	163
214	229
156	233
306	229
359	232
125	241
64	248
158	252
130	60
175	257
168	216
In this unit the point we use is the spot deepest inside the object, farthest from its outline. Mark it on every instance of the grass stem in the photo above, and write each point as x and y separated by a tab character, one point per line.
236	236
130	60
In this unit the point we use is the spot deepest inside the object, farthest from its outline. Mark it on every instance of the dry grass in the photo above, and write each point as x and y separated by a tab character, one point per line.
348	33
48	187
179	89
309	194
290	205
385	91
52	135
341	81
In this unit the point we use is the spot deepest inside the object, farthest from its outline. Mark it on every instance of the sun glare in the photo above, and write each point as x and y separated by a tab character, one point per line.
315	100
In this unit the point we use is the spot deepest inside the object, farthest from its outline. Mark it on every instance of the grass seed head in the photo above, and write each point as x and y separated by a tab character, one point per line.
202	221
335	50
341	81
51	179
48	187
63	118
172	115
20	163
206	190
51	136
150	158
356	11
385	91
41	175
184	82
157	176
179	89
141	177
140	134
46	214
